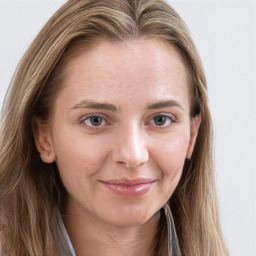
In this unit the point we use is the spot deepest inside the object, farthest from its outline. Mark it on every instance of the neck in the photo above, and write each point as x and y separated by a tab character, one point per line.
91	236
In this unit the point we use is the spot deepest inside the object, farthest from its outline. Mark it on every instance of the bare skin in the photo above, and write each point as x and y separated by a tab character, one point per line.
120	133
111	240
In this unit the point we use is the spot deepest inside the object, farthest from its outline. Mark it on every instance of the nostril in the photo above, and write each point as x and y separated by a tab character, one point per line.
121	163
128	165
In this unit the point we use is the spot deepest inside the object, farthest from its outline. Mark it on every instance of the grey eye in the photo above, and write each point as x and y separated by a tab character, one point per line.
160	120
94	121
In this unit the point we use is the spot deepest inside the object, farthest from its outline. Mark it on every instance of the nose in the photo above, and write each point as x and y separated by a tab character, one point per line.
130	149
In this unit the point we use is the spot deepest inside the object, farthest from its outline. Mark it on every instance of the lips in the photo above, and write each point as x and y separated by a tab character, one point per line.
130	187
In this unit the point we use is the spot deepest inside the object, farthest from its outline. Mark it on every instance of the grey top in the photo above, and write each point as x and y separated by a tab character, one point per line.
71	249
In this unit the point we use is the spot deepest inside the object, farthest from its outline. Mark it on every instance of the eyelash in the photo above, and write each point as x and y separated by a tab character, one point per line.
168	117
88	117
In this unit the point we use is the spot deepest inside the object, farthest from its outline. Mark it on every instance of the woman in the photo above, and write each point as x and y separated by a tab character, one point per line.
106	131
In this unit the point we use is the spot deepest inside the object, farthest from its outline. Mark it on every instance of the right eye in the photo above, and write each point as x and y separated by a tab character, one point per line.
163	120
94	121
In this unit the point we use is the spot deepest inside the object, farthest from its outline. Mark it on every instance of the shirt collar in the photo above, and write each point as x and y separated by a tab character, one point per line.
71	249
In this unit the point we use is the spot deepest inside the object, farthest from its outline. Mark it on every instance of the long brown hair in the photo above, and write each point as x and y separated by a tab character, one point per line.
31	193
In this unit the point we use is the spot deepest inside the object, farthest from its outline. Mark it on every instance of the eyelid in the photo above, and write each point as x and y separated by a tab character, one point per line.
82	119
171	116
85	117
172	120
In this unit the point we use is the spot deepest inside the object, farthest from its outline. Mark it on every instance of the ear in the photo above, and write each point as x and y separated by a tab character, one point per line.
43	140
194	127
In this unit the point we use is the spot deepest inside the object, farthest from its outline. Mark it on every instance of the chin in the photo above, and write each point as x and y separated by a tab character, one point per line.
132	217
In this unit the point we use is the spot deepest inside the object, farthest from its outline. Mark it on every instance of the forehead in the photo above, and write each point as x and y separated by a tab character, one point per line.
126	68
150	53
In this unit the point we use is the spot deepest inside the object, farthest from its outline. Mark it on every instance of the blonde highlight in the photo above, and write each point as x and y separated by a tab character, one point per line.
35	188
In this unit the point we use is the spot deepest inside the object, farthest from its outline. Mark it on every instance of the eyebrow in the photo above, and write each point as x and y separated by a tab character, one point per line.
165	103
113	108
96	105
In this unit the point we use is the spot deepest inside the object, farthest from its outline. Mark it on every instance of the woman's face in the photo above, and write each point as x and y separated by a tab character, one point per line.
121	130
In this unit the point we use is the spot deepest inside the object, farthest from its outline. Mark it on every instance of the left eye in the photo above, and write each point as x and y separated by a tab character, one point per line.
94	121
161	120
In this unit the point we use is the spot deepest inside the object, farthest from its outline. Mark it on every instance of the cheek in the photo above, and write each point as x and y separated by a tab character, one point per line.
77	157
170	160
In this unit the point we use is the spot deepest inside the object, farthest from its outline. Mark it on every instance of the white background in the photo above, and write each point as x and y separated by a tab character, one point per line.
225	34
